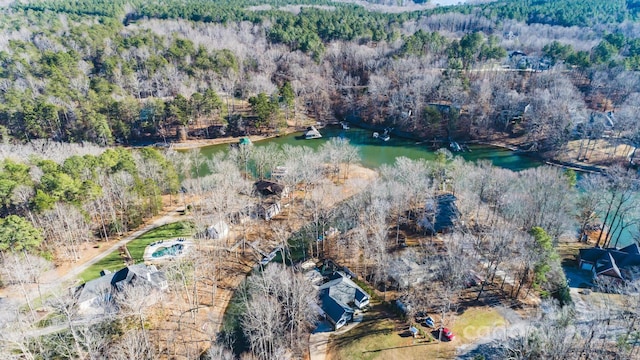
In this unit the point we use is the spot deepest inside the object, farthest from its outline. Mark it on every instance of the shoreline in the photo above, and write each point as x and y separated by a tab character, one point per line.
199	143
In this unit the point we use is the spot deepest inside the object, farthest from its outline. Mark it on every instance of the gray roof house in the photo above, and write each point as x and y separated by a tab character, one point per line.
613	263
345	290
440	214
95	296
336	297
338	313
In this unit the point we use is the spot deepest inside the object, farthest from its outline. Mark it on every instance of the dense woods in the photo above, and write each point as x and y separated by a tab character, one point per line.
159	71
69	195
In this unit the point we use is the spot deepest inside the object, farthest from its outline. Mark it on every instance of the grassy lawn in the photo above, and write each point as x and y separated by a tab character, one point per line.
170	231
114	260
476	323
370	339
381	337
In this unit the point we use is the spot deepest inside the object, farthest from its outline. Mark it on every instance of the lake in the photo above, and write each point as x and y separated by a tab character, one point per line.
375	152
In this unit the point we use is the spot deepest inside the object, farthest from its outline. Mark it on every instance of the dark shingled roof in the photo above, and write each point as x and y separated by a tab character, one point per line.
611	261
631	249
592	255
332	307
105	284
608	265
267	188
440	214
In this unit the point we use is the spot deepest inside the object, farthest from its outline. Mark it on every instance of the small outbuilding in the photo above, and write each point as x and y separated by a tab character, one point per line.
219	230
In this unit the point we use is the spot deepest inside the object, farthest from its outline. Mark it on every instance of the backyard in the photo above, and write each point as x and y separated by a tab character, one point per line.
116	260
383	336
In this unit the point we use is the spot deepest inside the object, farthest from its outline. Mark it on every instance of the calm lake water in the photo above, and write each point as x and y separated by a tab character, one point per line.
375	152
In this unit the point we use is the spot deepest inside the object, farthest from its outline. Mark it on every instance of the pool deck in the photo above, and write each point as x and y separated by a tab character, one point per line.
151	248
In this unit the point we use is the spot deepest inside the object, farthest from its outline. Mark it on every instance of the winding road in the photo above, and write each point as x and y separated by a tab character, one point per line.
52	281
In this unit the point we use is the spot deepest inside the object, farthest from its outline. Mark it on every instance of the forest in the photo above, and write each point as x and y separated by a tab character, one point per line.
165	71
84	83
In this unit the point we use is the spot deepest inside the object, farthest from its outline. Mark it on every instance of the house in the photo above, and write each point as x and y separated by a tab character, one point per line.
269	188
96	296
337	297
345	291
269	208
611	264
440	214
515	113
337	312
273	194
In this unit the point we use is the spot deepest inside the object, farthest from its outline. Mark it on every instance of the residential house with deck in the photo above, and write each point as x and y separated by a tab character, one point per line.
96	296
612	265
272	195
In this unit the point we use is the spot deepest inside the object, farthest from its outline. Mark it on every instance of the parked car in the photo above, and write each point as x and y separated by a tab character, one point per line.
429	322
447	334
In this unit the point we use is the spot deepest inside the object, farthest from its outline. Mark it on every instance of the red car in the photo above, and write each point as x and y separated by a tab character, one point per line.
447	334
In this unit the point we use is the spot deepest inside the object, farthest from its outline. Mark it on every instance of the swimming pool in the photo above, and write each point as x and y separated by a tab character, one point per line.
173	250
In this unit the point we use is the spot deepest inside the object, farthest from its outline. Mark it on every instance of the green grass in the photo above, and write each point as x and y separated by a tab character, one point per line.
170	231
367	340
114	261
475	323
379	337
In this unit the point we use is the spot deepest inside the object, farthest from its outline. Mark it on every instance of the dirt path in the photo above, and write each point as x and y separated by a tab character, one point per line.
66	275
170	217
235	269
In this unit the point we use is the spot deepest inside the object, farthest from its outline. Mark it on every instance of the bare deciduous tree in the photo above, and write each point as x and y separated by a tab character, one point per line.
279	313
